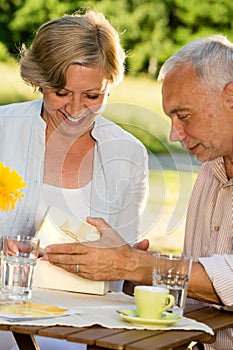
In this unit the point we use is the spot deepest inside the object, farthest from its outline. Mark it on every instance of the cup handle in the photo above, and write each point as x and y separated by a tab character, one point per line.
171	302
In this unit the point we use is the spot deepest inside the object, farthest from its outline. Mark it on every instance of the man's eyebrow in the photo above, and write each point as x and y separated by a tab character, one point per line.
178	110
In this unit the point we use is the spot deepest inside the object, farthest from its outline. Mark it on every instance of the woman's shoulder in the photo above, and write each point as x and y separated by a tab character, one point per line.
20	109
110	130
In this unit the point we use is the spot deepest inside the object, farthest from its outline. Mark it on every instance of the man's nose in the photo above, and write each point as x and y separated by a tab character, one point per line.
177	132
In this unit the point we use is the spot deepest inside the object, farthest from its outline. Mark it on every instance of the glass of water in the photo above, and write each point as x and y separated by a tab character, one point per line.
173	272
18	262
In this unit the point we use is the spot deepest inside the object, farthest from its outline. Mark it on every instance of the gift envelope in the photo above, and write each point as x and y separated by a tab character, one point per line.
48	276
61	227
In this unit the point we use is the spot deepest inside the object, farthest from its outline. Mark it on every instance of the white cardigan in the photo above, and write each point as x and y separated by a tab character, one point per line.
119	183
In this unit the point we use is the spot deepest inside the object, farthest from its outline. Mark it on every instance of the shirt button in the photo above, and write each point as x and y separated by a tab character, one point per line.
216	228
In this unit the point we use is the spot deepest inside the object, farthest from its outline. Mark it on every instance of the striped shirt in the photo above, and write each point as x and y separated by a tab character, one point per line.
209	235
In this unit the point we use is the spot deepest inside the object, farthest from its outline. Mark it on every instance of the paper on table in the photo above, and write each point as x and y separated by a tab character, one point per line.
27	310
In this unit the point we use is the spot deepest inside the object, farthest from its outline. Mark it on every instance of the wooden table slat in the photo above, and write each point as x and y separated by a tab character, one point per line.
89	336
209	315
194	307
4	327
120	341
94	347
208	310
25	329
202	315
60	332
224	321
165	339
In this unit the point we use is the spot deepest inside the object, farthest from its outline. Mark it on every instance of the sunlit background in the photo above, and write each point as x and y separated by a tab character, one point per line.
150	31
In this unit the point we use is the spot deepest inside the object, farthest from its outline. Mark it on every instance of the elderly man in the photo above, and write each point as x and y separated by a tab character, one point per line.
198	98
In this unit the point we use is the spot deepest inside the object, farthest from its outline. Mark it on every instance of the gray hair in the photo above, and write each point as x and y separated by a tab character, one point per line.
88	40
211	58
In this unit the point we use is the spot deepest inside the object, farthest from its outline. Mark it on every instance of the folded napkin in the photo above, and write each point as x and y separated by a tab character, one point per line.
98	310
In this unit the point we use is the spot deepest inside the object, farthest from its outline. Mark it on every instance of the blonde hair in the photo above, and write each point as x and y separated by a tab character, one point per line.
88	40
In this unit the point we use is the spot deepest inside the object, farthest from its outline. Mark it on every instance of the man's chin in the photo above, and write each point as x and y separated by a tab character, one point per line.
202	158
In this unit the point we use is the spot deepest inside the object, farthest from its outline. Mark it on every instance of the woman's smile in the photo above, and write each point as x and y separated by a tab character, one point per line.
77	120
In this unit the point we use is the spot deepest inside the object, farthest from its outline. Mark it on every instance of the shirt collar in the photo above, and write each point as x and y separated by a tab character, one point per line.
219	170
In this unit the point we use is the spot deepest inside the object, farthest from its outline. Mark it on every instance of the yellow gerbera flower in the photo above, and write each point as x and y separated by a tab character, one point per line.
10	184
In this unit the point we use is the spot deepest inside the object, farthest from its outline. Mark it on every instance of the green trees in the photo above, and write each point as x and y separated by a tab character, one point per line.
150	30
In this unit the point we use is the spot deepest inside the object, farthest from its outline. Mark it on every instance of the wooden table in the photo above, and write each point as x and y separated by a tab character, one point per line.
102	338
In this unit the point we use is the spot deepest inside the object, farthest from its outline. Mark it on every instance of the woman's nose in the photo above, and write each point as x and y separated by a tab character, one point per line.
75	105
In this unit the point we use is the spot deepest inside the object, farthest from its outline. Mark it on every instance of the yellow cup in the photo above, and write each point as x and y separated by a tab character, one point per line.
151	301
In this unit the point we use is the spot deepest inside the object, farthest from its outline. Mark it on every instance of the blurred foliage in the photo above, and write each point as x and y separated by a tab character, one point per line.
152	143
4	54
150	30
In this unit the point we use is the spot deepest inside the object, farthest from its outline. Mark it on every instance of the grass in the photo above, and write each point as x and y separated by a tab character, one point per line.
13	89
135	104
164	222
142	91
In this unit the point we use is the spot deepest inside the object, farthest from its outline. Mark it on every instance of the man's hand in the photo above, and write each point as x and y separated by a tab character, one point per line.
109	258
143	245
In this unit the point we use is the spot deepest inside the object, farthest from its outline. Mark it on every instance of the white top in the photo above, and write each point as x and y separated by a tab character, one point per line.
120	171
75	201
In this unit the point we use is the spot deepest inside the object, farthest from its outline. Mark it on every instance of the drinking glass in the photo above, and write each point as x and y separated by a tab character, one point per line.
18	263
173	272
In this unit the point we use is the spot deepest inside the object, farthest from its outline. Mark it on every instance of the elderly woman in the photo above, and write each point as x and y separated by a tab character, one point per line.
68	155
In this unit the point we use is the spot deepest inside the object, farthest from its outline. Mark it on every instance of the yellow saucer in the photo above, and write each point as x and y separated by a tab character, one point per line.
166	319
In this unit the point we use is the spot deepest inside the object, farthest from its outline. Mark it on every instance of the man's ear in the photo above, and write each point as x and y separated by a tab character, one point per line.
227	95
